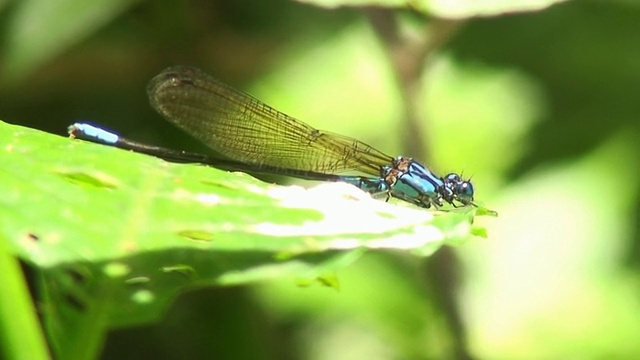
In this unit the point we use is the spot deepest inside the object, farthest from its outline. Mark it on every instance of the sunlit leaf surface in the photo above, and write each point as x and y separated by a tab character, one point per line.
116	235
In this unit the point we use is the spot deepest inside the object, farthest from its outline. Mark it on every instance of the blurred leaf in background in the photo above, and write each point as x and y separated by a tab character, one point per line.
536	100
39	30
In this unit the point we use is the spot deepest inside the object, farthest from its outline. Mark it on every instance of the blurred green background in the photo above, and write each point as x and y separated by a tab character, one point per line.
541	108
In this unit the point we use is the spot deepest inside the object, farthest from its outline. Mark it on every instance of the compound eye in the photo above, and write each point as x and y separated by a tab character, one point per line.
458	189
464	192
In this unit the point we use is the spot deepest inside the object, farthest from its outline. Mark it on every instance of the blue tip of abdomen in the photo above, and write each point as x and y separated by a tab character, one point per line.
90	132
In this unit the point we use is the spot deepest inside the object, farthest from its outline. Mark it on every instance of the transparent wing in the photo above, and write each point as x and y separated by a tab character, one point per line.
245	129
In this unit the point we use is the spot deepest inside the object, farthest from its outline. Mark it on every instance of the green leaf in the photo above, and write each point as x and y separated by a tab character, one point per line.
457	9
21	336
115	236
337	3
38	30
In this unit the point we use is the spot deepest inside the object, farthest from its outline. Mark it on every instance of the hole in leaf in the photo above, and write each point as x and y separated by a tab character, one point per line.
101	181
183	269
75	302
77	275
33	237
197	235
137	280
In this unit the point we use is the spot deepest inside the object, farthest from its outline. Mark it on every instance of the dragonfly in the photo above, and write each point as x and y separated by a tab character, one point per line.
253	137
